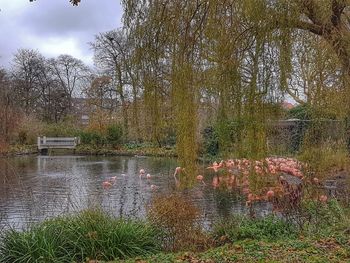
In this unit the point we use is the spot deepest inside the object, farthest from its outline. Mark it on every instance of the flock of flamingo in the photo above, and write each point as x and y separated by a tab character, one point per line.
241	172
107	184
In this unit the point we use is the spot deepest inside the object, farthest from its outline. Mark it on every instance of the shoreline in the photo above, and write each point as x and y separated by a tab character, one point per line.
27	150
19	150
86	150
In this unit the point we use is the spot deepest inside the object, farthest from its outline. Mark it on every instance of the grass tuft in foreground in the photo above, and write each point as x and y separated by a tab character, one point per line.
86	236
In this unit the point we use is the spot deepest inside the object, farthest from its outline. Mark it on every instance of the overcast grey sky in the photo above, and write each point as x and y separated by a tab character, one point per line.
54	27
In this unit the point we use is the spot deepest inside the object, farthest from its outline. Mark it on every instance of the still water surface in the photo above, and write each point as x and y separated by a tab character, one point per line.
34	188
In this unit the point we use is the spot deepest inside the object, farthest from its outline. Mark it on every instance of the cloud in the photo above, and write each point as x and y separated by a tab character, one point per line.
55	46
54	27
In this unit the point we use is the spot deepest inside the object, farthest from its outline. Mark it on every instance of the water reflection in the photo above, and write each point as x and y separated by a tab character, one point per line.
34	188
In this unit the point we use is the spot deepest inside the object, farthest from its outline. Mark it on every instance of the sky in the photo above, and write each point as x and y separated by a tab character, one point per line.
55	27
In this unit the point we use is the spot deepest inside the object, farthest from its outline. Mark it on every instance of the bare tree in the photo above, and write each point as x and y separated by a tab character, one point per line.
71	74
112	53
9	113
27	69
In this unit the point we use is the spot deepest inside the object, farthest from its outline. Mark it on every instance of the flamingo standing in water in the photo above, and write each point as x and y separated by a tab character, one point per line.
270	194
215	183
216	166
106	185
323	198
142	173
200	179
177	171
112	179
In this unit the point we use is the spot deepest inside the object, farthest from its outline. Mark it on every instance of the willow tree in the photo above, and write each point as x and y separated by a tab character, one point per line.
152	68
328	19
244	54
241	40
177	30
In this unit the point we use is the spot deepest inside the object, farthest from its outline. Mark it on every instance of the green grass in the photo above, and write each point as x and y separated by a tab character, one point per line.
267	228
93	235
261	251
88	235
125	150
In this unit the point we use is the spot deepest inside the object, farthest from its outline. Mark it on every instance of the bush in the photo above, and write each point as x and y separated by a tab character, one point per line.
61	129
211	141
28	131
325	158
114	134
177	219
268	228
323	219
92	138
302	112
132	145
90	235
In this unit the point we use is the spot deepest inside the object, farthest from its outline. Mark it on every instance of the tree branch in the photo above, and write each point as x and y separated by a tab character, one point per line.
316	29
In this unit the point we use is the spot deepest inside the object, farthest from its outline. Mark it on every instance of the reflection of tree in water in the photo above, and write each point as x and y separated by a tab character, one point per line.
16	197
224	202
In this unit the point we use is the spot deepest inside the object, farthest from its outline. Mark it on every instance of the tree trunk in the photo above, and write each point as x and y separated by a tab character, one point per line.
124	106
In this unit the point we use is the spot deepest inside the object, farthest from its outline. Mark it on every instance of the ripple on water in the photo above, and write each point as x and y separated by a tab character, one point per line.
35	188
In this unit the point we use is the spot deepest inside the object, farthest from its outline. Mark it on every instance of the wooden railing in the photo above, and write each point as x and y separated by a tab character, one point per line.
57	142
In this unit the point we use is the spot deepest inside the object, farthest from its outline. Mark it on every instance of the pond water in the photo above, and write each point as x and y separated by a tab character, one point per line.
34	188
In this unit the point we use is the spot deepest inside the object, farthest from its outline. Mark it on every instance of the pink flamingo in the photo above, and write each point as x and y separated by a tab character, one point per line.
246	190
215	166
112	179
106	185
323	198
215	183
177	171
148	176
270	194
200	179
142	173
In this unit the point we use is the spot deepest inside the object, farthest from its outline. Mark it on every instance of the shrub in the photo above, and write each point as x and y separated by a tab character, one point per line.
61	129
92	138
323	219
211	141
114	134
137	145
329	157
241	227
90	235
177	218
29	129
302	112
